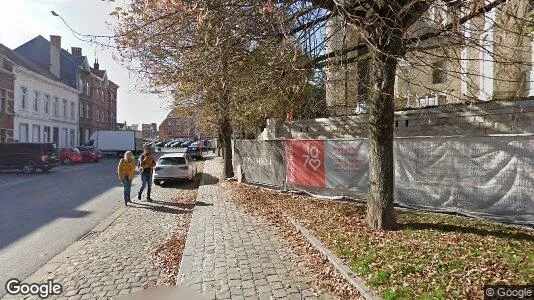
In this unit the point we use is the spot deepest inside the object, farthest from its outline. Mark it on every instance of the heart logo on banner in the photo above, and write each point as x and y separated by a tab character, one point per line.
314	163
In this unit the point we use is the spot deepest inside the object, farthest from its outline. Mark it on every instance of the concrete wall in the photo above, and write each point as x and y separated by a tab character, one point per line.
493	117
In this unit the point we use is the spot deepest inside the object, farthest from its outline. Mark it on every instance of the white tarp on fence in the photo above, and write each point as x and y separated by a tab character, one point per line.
488	176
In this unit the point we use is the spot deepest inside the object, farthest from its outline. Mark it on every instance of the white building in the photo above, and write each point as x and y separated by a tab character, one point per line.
46	110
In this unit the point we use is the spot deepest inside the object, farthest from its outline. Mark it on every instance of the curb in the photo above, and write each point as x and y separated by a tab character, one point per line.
43	273
351	278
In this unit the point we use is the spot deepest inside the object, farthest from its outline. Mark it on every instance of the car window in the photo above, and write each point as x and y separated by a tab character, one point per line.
171	161
49	148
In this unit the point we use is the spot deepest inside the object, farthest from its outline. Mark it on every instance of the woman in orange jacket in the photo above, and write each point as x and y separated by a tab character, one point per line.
126	173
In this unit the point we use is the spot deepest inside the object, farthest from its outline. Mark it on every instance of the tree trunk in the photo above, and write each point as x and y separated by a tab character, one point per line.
225	133
380	209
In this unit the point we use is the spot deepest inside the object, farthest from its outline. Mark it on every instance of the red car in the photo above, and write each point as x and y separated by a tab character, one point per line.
69	156
90	154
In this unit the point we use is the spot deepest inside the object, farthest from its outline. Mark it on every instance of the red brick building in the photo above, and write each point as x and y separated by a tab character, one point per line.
181	123
7	82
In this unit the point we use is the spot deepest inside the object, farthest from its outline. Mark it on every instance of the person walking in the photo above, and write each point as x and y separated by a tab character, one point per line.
147	162
126	173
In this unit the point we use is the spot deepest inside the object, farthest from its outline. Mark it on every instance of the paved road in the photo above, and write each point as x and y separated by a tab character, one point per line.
42	214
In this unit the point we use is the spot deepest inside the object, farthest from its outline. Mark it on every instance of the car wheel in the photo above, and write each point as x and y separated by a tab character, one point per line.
67	162
28	168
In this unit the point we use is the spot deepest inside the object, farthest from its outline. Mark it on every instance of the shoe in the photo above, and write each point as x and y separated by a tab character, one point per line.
149	199
138	196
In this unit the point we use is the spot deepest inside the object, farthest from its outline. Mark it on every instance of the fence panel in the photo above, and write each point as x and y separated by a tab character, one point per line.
489	176
261	161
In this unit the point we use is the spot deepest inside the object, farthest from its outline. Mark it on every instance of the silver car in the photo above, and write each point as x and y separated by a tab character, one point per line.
173	167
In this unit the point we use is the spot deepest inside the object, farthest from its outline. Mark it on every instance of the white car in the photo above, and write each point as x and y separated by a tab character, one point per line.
174	166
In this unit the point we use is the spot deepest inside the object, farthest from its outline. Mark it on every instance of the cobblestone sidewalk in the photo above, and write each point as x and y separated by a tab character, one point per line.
118	260
232	255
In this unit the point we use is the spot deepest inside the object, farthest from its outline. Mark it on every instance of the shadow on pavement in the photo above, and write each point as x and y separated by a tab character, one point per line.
160	208
27	206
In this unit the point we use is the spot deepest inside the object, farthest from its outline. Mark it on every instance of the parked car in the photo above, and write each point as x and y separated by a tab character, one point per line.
174	166
68	156
186	143
168	144
28	157
90	154
194	152
160	144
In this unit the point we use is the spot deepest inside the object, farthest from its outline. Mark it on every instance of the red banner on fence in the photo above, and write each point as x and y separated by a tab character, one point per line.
305	163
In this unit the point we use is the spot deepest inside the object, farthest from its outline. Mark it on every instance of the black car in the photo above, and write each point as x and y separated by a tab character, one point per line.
194	152
28	156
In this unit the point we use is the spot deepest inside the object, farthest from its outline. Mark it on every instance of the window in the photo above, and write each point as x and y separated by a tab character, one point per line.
35	101
438	72
46	134
97	115
3	101
87	89
47	104
36	134
23	98
64	108
55	106
23	133
81	110
72	110
3	135
88	112
71	137
66	137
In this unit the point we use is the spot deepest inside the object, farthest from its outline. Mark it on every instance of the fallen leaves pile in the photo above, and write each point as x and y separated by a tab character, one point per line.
168	254
432	256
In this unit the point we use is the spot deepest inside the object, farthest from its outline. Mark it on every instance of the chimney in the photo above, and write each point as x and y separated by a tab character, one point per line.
55	50
76	51
96	65
55	40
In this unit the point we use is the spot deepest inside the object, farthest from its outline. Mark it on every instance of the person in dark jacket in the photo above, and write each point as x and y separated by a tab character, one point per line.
147	162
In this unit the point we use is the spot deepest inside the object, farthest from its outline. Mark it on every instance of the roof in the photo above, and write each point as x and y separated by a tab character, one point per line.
26	63
38	51
99	73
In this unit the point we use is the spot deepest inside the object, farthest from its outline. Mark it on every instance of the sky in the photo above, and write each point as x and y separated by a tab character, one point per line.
22	20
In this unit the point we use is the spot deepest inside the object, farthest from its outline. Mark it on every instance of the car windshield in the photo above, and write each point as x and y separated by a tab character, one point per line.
49	149
171	161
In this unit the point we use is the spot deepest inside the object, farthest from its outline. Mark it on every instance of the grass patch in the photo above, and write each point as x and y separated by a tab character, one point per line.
432	256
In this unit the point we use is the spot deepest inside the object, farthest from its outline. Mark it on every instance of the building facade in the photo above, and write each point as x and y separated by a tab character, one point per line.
180	123
97	108
45	109
150	131
486	58
7	81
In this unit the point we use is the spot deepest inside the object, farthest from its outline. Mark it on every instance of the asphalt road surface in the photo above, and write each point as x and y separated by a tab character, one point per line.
42	214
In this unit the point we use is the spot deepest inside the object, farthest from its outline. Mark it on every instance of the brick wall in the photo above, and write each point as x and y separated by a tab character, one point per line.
494	117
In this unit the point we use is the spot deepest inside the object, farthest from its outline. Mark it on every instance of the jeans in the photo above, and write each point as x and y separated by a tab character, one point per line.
146	179
127	183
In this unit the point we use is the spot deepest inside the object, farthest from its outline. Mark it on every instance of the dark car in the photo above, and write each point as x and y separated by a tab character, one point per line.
69	156
90	154
194	152
28	156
